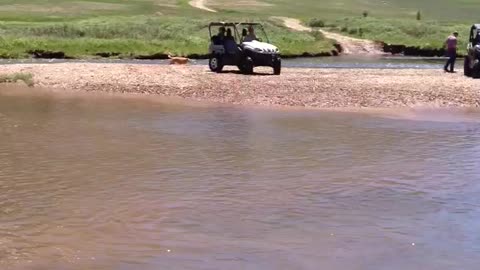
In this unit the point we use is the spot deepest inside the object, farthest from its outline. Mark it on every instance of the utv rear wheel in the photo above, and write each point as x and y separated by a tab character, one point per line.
466	67
476	70
277	67
215	64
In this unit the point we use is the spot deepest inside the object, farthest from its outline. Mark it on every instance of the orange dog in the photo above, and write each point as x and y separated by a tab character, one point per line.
174	60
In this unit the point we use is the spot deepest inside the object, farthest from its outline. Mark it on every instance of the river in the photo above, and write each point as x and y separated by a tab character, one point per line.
345	61
109	183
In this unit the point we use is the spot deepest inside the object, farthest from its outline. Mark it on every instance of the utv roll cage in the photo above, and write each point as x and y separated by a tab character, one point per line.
235	26
474	34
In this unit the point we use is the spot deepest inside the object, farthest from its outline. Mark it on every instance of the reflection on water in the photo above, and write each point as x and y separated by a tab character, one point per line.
373	62
116	184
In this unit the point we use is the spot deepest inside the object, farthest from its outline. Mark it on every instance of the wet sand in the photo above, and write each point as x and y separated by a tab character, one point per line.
313	88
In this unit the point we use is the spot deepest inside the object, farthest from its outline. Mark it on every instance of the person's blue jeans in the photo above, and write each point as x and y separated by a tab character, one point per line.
452	56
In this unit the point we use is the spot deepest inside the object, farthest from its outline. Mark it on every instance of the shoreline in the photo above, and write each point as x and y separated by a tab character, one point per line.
41	54
345	89
418	113
392	51
387	50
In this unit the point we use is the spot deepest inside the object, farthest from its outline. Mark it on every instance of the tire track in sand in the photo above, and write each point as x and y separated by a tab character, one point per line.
200	4
349	45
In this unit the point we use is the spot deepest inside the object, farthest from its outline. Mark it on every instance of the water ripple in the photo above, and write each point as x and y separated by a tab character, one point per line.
92	184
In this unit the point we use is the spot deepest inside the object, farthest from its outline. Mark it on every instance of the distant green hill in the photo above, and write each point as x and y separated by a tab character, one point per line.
441	10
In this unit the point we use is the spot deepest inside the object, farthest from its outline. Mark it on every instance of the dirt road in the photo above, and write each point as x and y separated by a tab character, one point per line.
321	88
200	4
349	45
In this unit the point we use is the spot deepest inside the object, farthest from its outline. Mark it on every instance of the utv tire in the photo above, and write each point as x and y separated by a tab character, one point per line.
215	64
277	67
240	67
467	71
476	70
247	67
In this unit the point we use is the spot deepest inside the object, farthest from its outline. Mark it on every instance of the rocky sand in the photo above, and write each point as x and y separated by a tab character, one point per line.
320	88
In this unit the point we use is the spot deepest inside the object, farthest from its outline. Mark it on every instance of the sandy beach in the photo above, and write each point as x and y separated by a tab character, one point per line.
314	88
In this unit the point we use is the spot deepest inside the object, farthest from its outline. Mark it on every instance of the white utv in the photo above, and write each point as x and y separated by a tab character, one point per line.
231	48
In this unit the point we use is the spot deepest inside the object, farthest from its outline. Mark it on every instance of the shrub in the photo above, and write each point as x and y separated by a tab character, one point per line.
318	35
316	23
353	31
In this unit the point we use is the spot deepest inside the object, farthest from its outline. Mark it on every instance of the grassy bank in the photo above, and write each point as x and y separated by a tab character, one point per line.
135	28
423	34
135	36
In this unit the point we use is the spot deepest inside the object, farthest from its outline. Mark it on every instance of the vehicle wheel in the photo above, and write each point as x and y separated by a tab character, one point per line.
241	68
215	64
466	67
277	67
247	67
476	70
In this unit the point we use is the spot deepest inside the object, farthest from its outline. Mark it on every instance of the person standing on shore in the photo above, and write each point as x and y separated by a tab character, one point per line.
451	45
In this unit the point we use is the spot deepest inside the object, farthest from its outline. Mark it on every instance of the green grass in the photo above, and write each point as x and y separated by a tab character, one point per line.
64	10
424	34
134	36
27	78
83	28
438	10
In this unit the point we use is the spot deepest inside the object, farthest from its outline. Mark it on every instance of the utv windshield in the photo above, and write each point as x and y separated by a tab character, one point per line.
251	32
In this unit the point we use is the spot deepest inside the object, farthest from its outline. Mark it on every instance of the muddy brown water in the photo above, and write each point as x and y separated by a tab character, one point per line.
88	183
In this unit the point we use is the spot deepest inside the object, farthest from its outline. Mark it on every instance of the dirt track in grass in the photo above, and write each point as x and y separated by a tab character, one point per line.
349	45
200	4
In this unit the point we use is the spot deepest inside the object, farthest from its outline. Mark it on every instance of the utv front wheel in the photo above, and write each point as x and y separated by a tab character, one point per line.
215	64
247	67
466	67
277	67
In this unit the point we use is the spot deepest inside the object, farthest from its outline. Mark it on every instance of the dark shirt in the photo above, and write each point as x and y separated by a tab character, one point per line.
217	40
230	46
